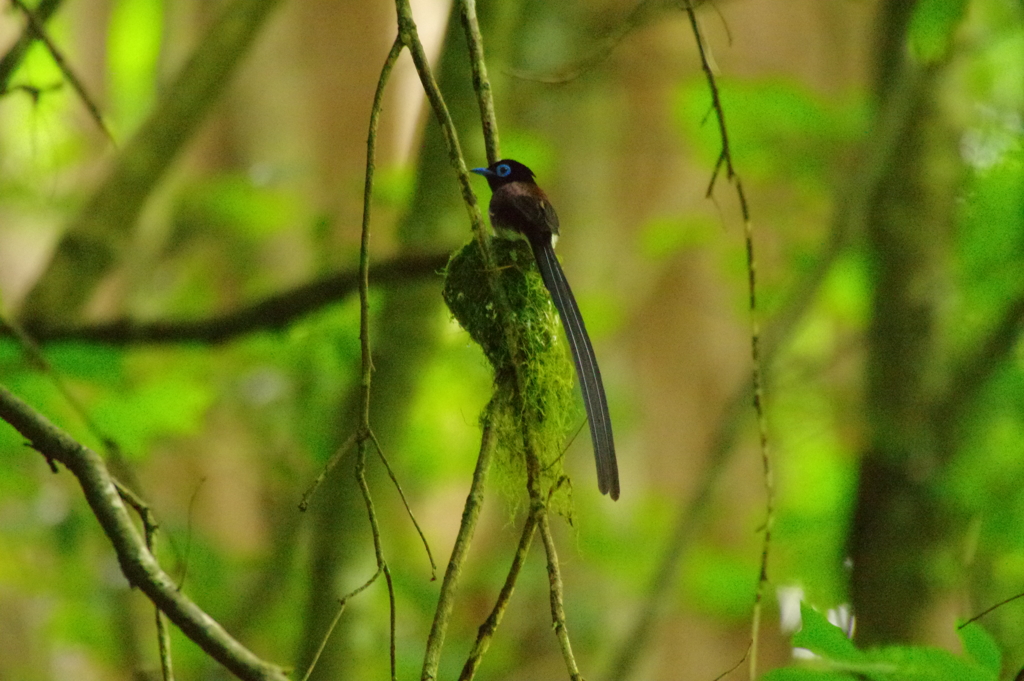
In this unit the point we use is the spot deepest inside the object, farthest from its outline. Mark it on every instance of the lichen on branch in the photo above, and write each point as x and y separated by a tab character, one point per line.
549	411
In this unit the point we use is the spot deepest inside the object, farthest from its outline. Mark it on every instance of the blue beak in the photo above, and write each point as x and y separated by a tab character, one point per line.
486	172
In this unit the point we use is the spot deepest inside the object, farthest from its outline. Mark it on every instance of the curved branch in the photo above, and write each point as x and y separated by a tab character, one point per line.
139	566
273	313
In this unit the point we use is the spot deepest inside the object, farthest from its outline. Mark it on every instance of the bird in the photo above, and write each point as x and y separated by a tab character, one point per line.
519	208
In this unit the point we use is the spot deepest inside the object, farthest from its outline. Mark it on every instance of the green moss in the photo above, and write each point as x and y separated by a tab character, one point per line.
549	410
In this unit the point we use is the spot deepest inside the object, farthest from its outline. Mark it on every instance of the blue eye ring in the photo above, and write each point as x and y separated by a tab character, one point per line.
503	170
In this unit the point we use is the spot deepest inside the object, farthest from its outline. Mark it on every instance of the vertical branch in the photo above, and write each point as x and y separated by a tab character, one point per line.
481	83
470	515
490	625
365	433
555	589
725	159
364	244
409	35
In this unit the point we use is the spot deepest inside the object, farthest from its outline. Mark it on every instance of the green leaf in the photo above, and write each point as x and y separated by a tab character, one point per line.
920	664
981	647
823	638
932	27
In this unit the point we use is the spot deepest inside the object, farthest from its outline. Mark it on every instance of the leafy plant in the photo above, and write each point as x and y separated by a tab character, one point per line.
836	658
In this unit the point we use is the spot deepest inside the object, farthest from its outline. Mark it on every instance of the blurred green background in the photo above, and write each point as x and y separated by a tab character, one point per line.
879	143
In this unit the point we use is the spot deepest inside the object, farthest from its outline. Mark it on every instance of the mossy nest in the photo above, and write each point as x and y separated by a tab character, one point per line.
541	358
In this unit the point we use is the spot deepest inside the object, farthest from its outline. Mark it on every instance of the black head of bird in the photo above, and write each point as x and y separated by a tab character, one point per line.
505	171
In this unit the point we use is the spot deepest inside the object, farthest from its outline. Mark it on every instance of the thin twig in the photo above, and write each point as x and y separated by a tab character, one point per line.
328	467
163	638
725	159
990	609
342	602
37	359
490	625
470	515
378	549
365	433
405	503
150	527
37	27
736	666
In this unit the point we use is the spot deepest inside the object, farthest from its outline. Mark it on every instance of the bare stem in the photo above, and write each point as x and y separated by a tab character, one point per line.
555	590
470	515
490	625
481	83
365	434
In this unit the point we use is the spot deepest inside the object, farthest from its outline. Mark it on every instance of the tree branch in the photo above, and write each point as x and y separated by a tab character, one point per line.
138	565
273	313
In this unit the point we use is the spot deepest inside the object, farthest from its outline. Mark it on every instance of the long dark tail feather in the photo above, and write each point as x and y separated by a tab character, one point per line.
586	367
